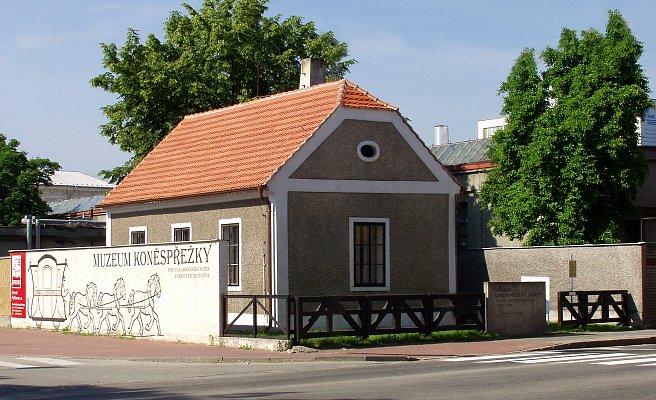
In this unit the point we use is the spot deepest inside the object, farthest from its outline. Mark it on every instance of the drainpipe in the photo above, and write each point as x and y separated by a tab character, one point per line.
269	281
37	241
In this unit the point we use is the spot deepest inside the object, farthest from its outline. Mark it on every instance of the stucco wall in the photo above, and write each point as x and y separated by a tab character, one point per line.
5	292
337	158
319	241
599	267
254	216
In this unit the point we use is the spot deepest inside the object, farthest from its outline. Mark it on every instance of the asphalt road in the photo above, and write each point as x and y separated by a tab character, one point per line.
607	373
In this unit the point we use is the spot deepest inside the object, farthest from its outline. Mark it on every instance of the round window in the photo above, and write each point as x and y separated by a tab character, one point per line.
368	151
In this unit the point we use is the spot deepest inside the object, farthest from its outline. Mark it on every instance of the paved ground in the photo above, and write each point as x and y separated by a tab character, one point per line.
56	344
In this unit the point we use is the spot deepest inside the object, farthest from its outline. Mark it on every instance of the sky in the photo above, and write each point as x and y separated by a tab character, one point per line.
440	62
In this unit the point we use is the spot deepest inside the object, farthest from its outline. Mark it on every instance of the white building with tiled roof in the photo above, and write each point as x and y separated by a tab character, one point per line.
324	190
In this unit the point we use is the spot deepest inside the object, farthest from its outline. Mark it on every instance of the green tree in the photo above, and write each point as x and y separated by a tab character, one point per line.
19	183
224	53
568	164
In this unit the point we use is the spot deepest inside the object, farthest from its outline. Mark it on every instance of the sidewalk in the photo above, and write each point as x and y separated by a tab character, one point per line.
21	342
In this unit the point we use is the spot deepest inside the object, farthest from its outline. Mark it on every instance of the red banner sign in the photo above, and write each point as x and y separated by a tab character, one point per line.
18	282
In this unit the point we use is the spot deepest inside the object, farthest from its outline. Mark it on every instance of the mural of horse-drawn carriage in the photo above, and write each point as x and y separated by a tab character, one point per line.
109	309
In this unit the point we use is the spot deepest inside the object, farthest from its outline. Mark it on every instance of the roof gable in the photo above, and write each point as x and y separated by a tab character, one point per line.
238	147
337	156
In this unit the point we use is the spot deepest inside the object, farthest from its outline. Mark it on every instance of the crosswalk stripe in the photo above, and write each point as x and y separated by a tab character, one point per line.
503	357
603	357
15	365
50	361
564	357
570	357
637	360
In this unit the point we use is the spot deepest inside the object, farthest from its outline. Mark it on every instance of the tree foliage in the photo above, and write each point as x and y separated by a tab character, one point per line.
568	164
224	53
19	183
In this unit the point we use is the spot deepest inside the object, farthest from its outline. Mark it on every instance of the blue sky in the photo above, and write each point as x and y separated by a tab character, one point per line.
441	62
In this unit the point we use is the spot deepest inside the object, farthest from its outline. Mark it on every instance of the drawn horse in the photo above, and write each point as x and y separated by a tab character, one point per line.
83	305
143	303
109	306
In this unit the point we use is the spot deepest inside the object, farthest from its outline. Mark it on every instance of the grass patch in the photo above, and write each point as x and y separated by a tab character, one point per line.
443	337
69	332
398	339
555	328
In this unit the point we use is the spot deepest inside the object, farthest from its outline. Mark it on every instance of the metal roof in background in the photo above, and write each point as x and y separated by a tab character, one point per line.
75	178
471	151
75	205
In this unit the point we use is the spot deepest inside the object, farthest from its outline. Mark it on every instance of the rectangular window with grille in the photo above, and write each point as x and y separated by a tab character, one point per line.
138	234
137	237
369	254
230	230
181	232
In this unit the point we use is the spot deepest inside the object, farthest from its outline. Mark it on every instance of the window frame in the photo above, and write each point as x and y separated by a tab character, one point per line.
360	288
240	271
181	225
143	229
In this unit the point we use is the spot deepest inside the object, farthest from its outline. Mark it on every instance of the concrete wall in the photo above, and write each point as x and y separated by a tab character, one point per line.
5	292
599	267
204	221
319	241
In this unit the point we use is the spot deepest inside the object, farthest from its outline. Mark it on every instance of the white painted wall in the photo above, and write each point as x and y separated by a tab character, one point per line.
115	290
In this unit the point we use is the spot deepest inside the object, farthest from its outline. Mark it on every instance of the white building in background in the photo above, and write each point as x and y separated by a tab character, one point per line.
648	128
68	185
487	127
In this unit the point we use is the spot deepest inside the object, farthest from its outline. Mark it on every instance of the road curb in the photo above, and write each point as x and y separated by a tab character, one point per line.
598	343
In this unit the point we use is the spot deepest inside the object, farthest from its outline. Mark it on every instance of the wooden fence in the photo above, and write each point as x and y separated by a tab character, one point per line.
324	316
588	307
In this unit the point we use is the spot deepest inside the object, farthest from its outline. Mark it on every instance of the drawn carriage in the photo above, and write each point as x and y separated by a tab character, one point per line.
47	291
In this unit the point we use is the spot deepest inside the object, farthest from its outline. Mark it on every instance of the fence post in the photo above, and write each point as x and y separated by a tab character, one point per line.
224	314
254	316
289	314
560	308
428	314
481	302
625	307
298	317
365	316
583	308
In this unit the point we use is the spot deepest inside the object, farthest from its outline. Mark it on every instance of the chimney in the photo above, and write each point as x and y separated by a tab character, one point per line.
441	134
313	72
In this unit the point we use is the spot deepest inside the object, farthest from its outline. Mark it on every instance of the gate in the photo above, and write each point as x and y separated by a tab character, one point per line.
589	307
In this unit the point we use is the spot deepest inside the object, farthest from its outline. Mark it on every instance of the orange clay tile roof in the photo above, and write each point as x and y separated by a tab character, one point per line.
235	148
